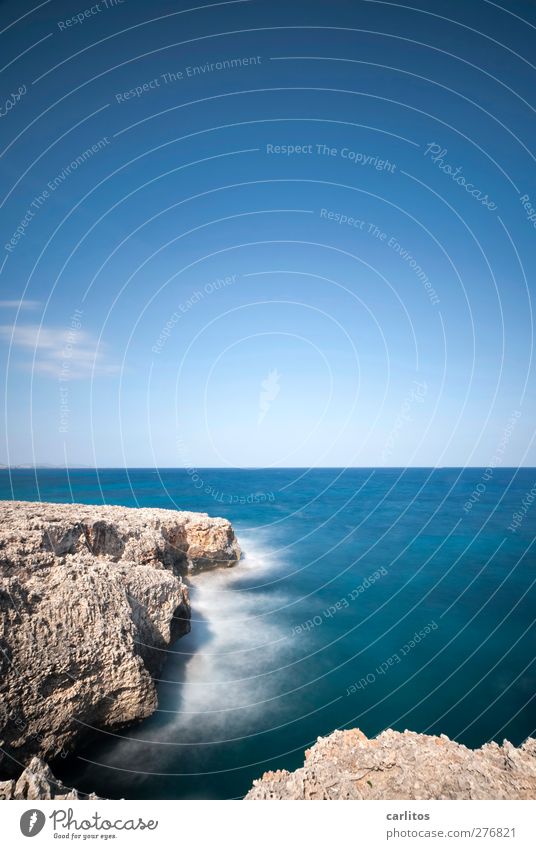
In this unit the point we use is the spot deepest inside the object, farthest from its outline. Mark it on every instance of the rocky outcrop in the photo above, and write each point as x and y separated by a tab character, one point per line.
91	598
347	765
35	534
38	782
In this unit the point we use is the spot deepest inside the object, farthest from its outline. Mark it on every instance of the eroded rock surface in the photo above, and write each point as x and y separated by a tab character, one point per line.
91	598
35	533
38	782
347	765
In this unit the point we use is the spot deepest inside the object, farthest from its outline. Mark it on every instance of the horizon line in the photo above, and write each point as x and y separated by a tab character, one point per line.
51	466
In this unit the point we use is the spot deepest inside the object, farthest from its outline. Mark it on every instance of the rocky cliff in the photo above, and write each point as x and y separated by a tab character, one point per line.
347	765
90	600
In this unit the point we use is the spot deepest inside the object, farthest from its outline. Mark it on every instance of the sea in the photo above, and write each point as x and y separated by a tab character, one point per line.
370	598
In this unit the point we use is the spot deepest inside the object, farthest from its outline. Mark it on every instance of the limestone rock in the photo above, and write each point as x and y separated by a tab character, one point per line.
33	535
347	765
91	598
38	782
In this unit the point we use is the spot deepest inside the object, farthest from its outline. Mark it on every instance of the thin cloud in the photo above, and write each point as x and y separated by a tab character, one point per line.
70	354
20	305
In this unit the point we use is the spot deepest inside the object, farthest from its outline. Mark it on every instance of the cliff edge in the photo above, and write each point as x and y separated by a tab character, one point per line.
347	765
91	598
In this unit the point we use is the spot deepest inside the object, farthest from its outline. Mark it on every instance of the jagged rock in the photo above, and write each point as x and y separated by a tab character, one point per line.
34	534
38	782
347	765
90	600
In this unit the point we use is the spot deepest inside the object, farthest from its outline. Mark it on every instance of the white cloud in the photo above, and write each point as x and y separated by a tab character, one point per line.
20	305
72	353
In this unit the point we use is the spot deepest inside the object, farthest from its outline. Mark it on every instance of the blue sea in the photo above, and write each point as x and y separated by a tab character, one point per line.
376	598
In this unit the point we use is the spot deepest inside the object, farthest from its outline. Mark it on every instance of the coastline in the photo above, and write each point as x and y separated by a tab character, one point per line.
100	591
91	600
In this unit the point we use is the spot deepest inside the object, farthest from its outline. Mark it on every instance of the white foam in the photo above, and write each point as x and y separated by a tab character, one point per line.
221	693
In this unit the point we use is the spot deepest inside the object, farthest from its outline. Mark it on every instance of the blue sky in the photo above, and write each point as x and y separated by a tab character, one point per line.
262	233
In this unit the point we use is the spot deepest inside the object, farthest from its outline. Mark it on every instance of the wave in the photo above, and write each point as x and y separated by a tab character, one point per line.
222	680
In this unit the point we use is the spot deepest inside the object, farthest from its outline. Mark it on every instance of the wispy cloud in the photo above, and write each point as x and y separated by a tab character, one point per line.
72	354
20	305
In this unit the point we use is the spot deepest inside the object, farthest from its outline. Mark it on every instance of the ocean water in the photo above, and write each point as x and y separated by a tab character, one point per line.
369	598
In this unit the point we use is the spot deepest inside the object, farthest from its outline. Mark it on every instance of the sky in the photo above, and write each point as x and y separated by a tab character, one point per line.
262	233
